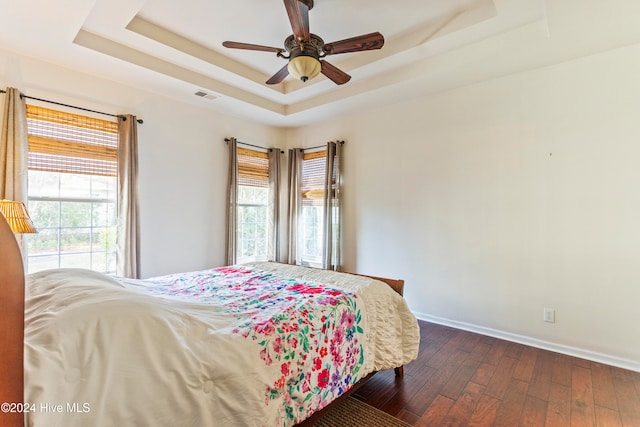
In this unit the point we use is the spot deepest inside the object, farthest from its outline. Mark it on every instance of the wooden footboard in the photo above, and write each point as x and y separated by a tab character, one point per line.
395	284
11	325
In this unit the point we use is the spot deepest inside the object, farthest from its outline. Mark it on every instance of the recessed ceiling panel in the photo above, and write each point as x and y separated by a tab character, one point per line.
265	22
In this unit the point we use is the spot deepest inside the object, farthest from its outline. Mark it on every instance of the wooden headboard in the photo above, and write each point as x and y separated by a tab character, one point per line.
11	325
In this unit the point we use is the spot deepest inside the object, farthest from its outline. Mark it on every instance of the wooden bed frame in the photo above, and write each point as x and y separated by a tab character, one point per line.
12	294
12	324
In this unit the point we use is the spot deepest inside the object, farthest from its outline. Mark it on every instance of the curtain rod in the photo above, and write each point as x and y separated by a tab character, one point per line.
321	146
73	106
226	140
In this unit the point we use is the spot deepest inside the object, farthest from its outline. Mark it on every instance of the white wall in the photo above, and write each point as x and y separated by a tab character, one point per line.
182	160
492	201
495	200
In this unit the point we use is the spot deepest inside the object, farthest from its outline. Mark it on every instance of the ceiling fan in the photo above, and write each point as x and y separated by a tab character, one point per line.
306	50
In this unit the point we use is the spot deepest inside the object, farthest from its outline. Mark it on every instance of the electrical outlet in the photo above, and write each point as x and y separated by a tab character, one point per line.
549	315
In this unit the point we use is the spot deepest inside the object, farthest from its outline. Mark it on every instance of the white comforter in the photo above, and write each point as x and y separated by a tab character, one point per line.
101	351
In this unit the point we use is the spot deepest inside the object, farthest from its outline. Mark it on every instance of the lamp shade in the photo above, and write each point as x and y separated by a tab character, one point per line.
17	216
304	67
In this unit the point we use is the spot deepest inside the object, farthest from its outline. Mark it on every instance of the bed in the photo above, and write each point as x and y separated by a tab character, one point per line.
260	344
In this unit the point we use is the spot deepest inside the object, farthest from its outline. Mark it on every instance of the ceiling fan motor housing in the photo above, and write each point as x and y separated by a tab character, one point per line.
312	47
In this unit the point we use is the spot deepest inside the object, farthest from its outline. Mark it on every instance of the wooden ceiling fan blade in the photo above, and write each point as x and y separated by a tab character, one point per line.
334	73
279	76
248	46
299	17
355	44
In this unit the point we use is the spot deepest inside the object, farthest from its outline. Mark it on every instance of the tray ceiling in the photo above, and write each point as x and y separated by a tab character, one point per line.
176	48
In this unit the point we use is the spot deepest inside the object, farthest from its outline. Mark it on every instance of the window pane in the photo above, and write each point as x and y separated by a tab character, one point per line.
247	248
249	215
99	261
248	231
261	196
112	212
75	260
311	234
75	214
103	239
261	247
252	225
261	229
43	184
40	263
44	242
243	194
75	186
253	195
261	214
100	215
44	214
75	240
103	187
111	263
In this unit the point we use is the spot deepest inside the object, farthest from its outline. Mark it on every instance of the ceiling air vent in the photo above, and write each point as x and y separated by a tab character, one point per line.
205	95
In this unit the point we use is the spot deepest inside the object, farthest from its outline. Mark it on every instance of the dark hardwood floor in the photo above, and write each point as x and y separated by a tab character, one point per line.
465	379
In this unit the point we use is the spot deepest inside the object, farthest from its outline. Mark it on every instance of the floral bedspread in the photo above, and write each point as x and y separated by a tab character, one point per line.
311	331
262	344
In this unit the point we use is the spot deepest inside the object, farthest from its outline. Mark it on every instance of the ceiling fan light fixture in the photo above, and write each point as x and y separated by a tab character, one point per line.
304	67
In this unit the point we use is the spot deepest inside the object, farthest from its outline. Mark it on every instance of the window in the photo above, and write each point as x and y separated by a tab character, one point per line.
253	206
311	225
318	241
72	191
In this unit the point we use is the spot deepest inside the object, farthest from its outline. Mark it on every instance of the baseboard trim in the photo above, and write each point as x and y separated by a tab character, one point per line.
534	342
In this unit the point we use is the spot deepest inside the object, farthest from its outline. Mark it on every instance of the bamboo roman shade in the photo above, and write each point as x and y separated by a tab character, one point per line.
313	177
253	168
71	143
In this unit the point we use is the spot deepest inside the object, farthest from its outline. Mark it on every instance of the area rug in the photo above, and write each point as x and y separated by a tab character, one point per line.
354	413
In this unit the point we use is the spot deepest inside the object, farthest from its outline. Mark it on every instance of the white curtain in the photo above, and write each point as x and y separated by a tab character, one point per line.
232	202
14	150
128	239
332	257
275	173
294	205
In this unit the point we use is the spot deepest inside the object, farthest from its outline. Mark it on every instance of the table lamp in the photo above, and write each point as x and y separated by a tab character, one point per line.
17	216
